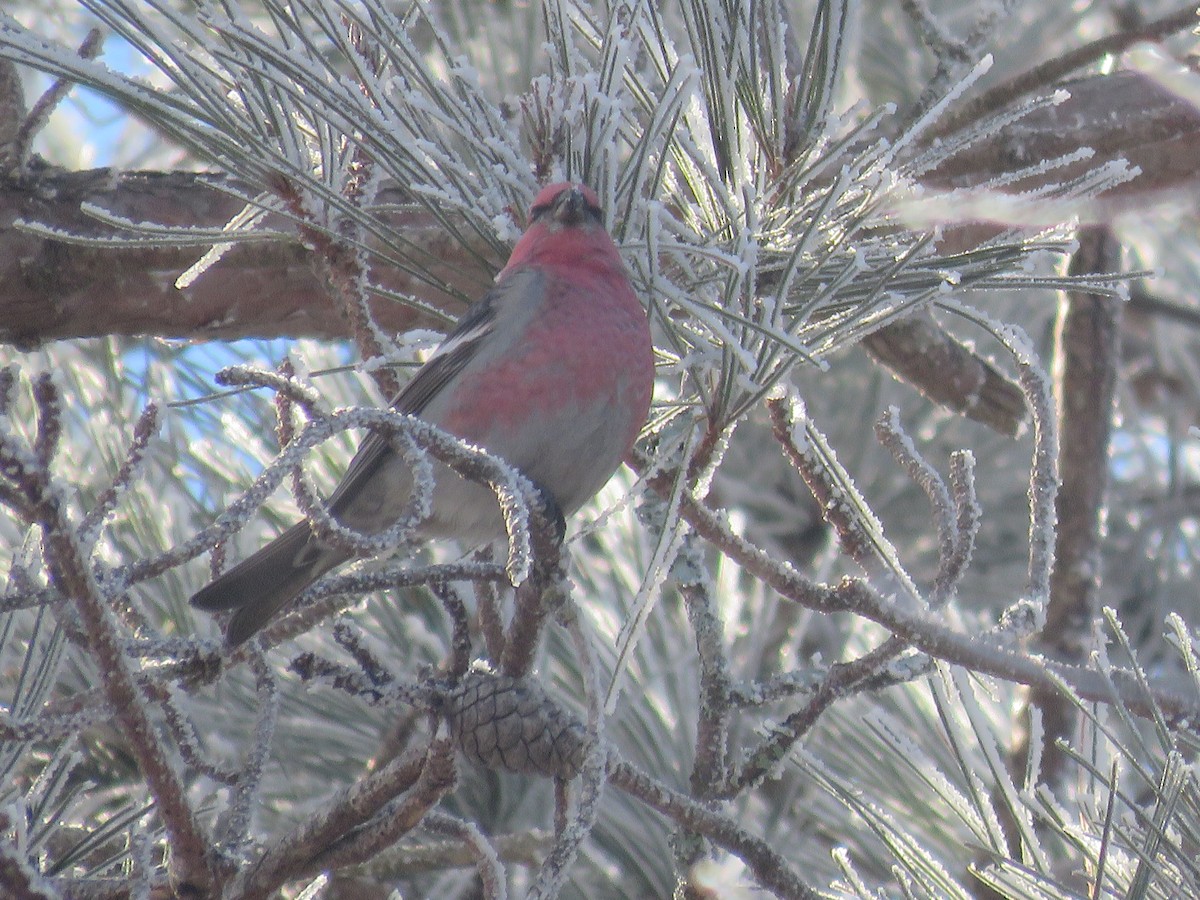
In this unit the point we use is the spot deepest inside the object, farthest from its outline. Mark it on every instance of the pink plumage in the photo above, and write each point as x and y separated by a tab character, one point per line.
552	370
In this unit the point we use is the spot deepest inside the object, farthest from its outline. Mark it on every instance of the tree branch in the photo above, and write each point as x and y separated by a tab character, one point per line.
55	290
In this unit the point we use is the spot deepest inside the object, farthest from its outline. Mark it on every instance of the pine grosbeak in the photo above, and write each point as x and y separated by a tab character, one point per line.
551	371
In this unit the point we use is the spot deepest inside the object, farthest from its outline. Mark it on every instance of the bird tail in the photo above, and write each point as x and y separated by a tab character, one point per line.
262	584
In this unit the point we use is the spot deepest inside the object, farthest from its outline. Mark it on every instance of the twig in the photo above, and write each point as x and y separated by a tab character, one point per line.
771	869
982	655
143	431
332	594
291	854
540	594
460	630
957	515
962	485
952	55
572	831
842	505
1044	75
472	463
1043	479
710	769
237	827
410	857
483	851
1087	351
366	684
39	115
397	818
487	602
72	575
841	681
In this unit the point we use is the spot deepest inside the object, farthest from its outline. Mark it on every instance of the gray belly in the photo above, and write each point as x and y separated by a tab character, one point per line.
570	460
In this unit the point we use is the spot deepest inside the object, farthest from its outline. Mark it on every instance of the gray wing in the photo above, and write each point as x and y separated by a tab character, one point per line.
451	356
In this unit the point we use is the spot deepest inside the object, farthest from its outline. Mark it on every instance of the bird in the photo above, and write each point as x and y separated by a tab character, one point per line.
552	370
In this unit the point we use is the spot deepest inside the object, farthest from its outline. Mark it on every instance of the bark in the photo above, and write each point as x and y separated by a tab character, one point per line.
51	289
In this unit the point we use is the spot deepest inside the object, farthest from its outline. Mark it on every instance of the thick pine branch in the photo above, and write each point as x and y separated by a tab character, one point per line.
55	290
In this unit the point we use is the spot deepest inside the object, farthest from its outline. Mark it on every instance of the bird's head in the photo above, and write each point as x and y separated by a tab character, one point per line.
566	204
566	229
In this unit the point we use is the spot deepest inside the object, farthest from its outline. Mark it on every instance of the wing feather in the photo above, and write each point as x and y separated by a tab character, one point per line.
448	360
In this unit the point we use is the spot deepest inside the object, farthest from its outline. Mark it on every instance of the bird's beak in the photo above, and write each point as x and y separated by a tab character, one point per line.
569	207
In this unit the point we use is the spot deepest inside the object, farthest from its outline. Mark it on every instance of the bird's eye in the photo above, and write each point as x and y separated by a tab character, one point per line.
569	207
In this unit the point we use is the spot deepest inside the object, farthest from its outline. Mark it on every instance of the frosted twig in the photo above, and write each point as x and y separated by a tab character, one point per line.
246	790
1043	479
487	859
487	601
952	54
539	595
282	382
562	808
460	628
925	634
285	426
710	769
396	818
143	431
409	517
969	515
895	439
285	430
522	848
957	517
292	854
333	593
350	639
471	462
47	727
142	868
769	868
68	564
935	36
45	105
362	685
182	731
782	686
49	420
841	681
842	505
572	831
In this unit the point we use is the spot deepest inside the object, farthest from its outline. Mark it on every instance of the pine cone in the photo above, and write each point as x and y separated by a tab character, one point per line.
512	724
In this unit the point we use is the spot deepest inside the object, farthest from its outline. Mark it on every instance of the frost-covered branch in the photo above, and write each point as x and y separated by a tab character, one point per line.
772	870
25	467
986	655
773	212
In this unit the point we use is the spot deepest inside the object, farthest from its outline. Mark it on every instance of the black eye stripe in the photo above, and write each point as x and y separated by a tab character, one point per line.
542	209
